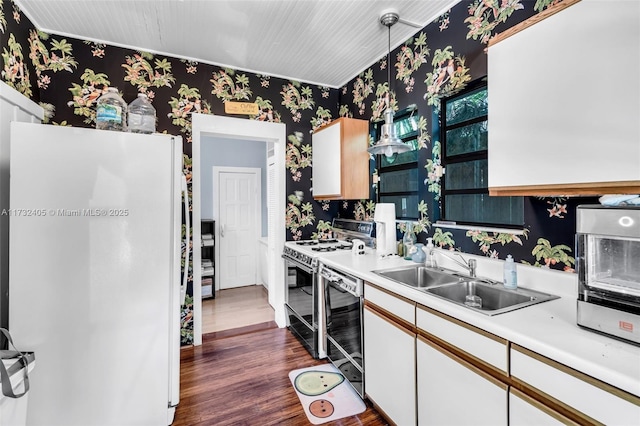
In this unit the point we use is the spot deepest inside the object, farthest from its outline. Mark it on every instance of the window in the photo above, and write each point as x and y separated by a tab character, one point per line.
399	183
465	195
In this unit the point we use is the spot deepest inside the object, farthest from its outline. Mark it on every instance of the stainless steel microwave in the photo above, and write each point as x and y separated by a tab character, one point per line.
608	265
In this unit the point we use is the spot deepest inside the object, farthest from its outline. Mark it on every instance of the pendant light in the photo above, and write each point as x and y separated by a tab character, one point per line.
389	143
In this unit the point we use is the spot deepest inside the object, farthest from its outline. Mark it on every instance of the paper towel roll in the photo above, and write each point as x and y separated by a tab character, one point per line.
385	218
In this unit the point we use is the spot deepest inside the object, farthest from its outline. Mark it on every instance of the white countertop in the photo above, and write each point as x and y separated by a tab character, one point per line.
547	328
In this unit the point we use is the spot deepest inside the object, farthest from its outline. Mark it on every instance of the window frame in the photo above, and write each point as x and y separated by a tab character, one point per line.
412	165
467	157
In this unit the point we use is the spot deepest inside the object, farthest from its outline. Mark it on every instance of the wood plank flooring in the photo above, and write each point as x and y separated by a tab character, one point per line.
236	307
240	378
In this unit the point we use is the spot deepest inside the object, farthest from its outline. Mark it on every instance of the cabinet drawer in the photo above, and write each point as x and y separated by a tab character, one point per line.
526	411
597	400
395	305
487	348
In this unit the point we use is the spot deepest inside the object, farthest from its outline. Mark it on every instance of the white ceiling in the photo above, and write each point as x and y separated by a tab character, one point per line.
325	42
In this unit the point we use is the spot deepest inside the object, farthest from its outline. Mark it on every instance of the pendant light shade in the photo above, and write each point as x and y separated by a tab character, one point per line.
389	143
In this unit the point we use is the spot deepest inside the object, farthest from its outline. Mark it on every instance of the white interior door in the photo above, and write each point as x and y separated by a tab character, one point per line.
238	203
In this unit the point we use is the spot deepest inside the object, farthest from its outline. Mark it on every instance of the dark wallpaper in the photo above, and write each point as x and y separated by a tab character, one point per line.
66	76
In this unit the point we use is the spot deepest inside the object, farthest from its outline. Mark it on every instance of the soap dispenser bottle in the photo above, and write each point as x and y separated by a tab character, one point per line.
430	255
510	274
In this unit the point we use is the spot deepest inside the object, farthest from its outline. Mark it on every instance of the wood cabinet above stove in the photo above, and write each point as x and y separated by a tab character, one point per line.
340	167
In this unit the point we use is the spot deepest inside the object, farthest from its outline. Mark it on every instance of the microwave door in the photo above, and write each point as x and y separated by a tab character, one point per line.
612	264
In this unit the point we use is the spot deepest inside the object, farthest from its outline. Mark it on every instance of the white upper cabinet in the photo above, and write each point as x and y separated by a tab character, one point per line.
341	161
564	101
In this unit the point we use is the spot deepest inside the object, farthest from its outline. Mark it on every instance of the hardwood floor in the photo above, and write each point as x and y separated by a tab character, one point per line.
240	377
236	307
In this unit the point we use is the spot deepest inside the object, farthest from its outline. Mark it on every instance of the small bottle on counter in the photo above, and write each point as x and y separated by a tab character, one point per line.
408	241
419	255
111	111
510	274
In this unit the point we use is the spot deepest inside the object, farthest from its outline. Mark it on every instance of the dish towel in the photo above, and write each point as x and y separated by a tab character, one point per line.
620	200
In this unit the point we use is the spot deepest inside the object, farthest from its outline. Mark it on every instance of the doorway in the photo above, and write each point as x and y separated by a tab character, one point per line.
274	135
236	308
237	198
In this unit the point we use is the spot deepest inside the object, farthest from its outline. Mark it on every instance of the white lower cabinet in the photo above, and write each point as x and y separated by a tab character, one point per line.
584	398
453	392
390	360
423	367
461	373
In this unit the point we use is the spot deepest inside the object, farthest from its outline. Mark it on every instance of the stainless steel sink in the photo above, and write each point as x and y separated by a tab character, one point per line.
455	287
495	299
419	276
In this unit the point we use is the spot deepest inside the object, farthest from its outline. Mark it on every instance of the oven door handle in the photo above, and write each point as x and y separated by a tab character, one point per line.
338	284
330	276
333	280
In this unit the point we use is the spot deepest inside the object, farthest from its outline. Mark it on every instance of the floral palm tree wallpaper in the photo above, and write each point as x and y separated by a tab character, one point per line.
67	76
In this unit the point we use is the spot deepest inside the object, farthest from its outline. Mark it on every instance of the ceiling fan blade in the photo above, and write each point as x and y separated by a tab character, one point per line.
411	24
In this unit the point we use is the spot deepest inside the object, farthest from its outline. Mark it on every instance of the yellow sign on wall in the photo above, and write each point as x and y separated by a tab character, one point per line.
249	108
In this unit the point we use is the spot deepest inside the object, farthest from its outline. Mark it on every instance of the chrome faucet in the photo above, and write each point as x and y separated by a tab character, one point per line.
470	265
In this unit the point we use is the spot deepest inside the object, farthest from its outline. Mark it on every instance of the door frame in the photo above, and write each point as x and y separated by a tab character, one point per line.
241	128
257	223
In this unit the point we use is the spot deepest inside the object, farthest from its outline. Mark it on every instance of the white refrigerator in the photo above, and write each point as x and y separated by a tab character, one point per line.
95	285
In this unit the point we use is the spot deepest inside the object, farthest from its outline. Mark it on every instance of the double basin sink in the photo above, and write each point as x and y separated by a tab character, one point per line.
482	295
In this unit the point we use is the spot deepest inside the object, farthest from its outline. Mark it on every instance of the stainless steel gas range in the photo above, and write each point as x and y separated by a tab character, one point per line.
304	299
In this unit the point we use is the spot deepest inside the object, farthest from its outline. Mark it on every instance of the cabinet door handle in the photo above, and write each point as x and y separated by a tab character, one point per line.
222	228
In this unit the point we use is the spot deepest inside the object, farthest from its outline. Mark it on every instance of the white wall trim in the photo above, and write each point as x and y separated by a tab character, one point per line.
241	128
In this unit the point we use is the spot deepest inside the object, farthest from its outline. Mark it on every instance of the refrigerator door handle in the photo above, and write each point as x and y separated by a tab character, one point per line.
185	272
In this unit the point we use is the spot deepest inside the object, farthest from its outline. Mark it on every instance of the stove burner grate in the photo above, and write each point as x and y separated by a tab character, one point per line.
316	242
326	248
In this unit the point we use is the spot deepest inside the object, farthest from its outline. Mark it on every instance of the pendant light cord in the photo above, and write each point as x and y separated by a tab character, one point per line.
389	70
